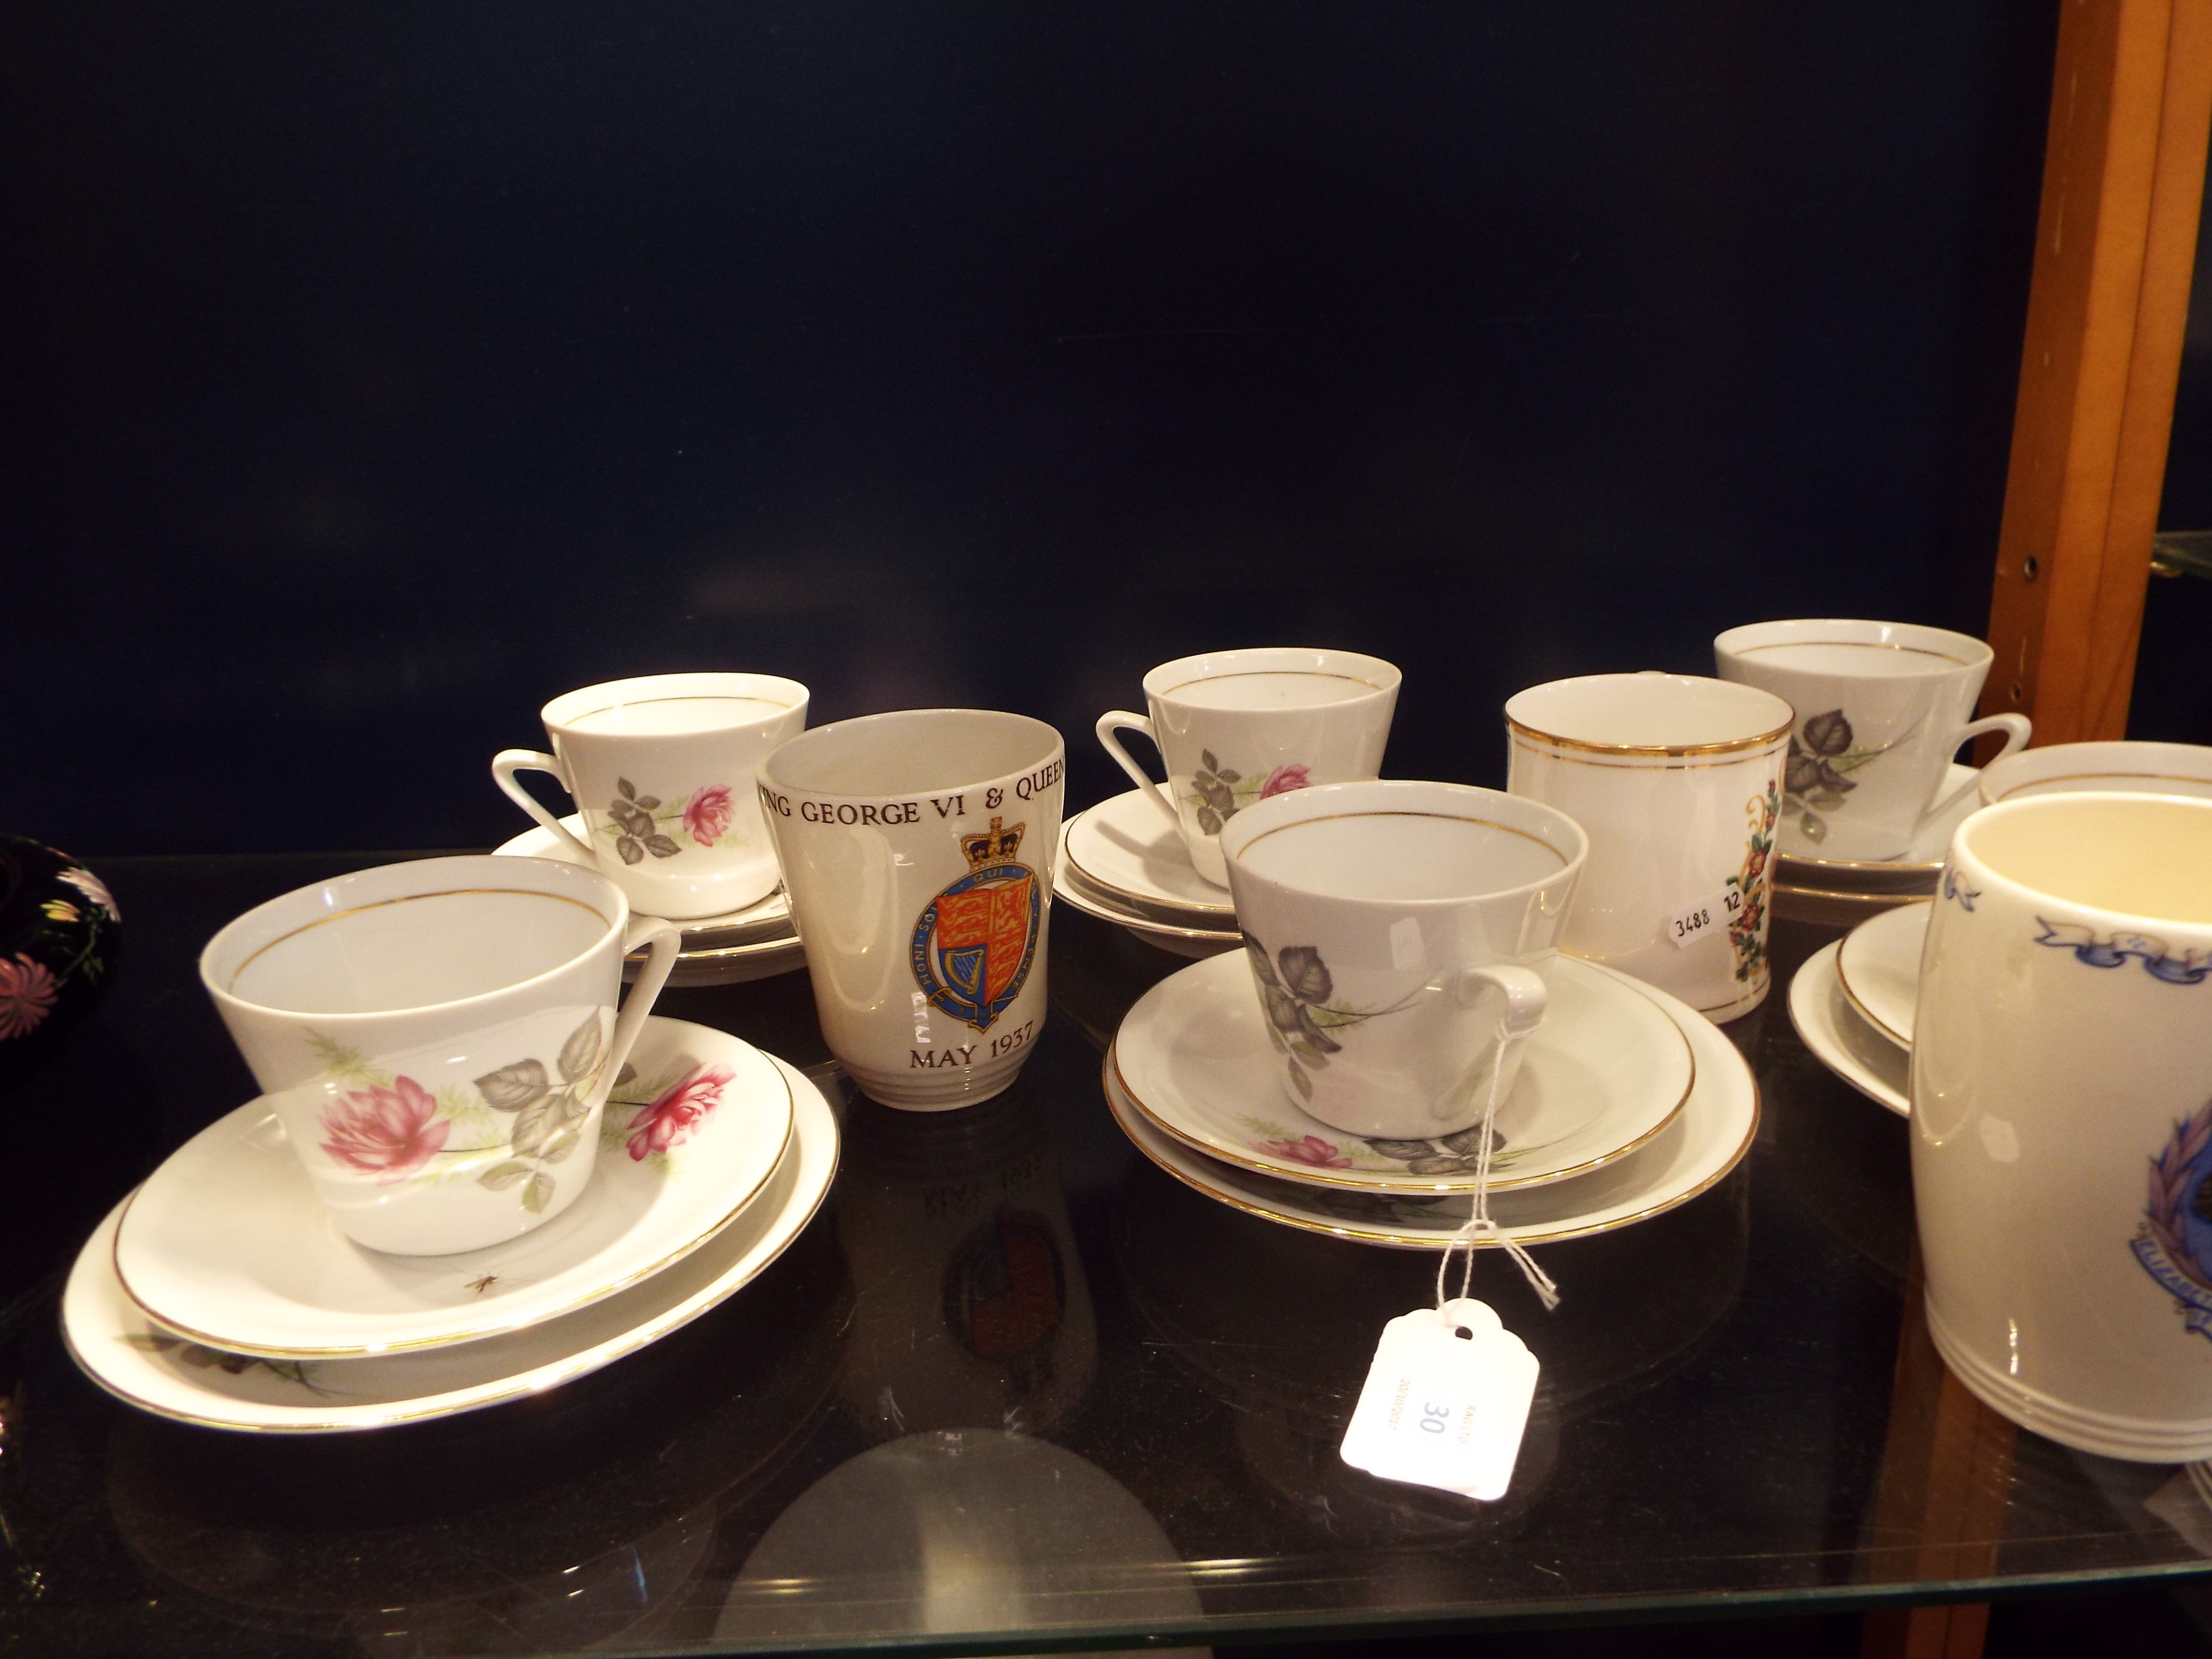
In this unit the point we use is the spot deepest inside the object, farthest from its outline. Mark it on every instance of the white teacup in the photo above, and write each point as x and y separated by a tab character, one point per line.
2062	1119
661	770
1393	930
438	1038
2073	768
1677	782
1237	728
1881	707
918	848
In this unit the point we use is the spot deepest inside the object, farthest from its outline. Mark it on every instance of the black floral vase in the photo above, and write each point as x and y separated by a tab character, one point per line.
60	938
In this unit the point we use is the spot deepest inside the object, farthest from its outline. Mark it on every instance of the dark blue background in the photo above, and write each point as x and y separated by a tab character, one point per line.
376	373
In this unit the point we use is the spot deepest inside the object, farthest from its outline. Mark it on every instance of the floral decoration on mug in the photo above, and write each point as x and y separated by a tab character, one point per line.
635	821
395	1130
1297	987
1220	792
1816	773
2174	1240
1747	932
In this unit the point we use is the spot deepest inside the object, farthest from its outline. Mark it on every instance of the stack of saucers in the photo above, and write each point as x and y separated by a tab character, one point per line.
1124	862
757	942
1628	1102
221	1293
1852	1002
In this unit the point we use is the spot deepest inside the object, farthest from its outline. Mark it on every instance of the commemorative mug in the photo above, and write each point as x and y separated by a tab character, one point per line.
918	850
1881	707
2070	769
1393	931
2062	1119
1677	781
1236	727
661	770
438	1038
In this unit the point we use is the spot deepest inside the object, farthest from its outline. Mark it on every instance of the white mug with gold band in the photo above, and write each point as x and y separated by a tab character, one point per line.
1677	781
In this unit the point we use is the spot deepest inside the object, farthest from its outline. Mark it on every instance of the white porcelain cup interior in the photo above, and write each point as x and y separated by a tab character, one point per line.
438	1038
1234	727
918	848
1881	709
661	770
2061	1118
2069	768
1395	930
1676	779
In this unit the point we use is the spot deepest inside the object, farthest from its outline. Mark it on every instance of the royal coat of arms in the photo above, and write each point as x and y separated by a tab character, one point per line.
2174	1240
975	941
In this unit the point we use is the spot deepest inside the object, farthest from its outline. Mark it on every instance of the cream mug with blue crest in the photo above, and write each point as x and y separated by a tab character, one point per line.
2062	1119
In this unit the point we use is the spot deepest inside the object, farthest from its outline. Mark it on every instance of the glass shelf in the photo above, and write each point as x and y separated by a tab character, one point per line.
1016	1388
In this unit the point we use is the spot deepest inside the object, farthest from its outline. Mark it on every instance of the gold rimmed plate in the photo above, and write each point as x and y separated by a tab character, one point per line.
1606	1073
227	1245
1127	852
1705	1141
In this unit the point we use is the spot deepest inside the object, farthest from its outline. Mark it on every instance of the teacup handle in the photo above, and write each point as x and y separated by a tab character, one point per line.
1525	996
663	940
505	763
2016	730
1115	720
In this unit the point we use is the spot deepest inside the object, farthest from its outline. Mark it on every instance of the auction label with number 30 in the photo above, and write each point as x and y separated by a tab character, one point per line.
1446	1401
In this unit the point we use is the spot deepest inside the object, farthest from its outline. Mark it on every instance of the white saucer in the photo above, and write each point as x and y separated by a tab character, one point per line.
1127	853
1913	871
757	942
147	1367
1207	941
228	1244
1843	1042
1878	966
1605	1071
1706	1140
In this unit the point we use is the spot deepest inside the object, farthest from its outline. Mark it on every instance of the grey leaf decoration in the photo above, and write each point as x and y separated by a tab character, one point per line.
1434	1165
1469	1140
1403	1149
537	1193
1310	1032
633	821
580	1053
1282	1012
1310	1054
1304	975
1256	953
628	1074
563	1143
1302	1083
1211	764
572	1106
631	851
661	847
536	1126
1800	772
500	1176
1217	795
1829	733
1228	776
629	789
647	803
1209	821
1282	1043
511	1088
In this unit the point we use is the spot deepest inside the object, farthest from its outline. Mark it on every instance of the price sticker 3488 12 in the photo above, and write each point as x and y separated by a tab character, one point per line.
1707	918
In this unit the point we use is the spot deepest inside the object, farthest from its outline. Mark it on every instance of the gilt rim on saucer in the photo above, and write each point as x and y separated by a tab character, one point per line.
1815	1014
1167	909
1860	1005
95	1312
754	1172
764	921
1381	1181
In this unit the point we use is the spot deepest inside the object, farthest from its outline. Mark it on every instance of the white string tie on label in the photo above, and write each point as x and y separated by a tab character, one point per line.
1478	1222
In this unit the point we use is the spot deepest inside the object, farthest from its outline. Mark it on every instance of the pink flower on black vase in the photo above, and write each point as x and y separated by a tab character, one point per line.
27	992
387	1132
1309	1149
1283	779
675	1117
707	814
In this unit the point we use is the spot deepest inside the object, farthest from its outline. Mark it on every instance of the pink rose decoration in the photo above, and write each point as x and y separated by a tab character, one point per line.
1283	779
676	1116
385	1133
26	995
1309	1149
707	814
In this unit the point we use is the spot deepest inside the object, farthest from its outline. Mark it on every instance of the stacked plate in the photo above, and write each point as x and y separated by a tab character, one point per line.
1628	1103
1848	890
221	1294
757	942
1123	861
1852	1002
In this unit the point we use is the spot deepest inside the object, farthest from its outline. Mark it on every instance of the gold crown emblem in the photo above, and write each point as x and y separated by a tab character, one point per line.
990	846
